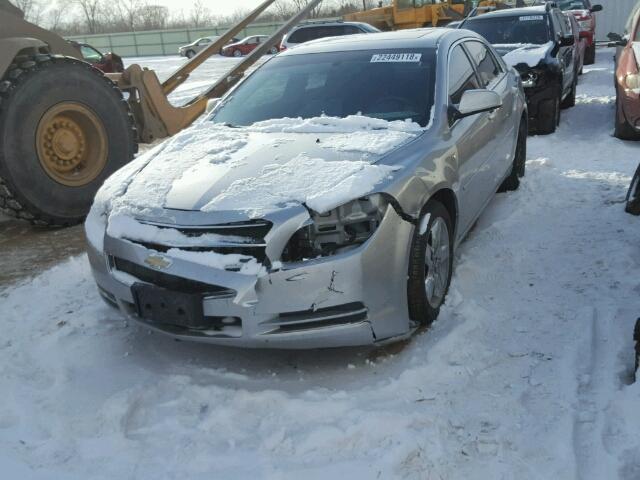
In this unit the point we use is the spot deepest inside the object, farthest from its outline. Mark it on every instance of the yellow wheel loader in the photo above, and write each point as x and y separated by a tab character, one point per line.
65	126
404	14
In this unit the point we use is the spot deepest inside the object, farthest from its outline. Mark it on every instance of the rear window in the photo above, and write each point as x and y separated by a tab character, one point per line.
521	29
389	84
307	34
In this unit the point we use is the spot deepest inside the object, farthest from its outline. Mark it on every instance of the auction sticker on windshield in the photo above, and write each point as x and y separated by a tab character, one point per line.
531	18
396	57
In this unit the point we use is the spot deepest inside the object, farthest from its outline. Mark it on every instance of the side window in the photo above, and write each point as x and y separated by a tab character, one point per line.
90	54
404	4
350	30
488	68
300	36
462	77
204	41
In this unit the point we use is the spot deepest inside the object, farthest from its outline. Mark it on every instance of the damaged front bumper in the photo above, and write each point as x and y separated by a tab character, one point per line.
347	299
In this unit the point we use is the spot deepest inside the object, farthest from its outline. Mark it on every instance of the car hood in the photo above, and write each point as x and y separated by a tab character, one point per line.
528	54
320	163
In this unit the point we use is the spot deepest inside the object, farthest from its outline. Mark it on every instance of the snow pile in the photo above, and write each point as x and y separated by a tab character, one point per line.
242	264
530	55
319	184
203	142
324	124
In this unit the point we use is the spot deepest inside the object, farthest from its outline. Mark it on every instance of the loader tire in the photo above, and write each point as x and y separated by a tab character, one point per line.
64	128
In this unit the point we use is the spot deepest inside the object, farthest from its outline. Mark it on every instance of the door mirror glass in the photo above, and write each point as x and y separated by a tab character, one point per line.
567	41
596	8
476	101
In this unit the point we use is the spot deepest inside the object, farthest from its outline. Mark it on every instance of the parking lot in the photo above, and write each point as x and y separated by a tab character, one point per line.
526	373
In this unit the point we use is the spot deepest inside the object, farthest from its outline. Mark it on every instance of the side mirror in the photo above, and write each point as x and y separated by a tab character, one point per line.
595	8
567	41
474	102
212	104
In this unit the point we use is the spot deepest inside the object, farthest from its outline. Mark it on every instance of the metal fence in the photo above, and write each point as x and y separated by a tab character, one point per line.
162	42
613	17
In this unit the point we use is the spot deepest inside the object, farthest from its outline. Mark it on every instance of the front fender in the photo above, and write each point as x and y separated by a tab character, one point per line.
11	47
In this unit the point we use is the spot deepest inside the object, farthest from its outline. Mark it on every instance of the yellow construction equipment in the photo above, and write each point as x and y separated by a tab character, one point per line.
413	14
64	128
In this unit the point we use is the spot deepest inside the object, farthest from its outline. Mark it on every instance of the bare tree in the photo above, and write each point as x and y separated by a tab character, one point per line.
91	11
33	9
200	15
127	11
153	17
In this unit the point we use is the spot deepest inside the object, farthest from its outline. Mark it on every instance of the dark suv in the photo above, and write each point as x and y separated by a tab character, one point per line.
308	31
539	43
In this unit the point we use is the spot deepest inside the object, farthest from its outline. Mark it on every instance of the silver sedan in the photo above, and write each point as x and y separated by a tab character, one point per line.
320	203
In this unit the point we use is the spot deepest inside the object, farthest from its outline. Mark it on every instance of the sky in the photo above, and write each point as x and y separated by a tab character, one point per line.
217	7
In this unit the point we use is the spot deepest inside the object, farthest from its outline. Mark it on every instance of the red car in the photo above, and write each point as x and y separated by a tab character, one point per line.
584	11
628	79
107	62
246	46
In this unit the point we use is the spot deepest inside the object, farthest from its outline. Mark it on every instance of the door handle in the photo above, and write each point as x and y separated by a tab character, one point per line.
492	114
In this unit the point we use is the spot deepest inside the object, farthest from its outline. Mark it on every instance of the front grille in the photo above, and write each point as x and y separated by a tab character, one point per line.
170	282
252	229
256	251
345	314
244	238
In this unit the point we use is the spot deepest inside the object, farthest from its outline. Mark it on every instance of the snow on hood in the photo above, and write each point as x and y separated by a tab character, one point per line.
529	54
321	162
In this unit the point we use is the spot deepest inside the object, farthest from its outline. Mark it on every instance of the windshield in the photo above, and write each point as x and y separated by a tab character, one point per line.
512	30
390	85
572	5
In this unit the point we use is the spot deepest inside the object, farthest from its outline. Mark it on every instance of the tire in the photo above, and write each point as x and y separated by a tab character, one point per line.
632	201
570	100
636	338
34	89
590	55
421	308
190	54
274	51
237	53
623	130
549	115
518	169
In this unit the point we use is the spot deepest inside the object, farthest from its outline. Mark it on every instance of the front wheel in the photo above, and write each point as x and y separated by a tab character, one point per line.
623	129
590	55
237	53
549	115
430	263
191	54
512	182
632	203
273	51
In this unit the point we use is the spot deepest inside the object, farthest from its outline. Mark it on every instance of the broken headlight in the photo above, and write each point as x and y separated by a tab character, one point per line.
337	230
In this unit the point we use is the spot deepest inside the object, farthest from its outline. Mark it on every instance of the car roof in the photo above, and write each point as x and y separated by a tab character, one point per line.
328	23
512	12
416	38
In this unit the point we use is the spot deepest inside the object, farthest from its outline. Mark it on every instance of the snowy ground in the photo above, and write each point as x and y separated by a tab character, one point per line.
199	80
525	374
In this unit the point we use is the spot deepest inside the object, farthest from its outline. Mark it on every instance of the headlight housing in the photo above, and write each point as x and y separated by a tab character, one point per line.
338	230
529	79
632	81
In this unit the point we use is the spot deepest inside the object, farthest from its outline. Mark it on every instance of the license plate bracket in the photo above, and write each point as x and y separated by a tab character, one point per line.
162	306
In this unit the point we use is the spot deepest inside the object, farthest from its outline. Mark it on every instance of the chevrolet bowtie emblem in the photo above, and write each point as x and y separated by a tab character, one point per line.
158	262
